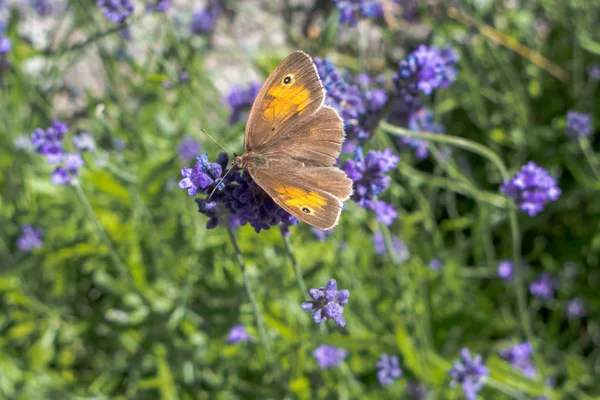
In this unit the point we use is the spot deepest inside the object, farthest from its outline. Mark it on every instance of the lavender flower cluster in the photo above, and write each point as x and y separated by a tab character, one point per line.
205	19
116	11
31	238
357	101
422	71
49	143
240	99
237	195
327	303
353	10
370	180
468	373
519	356
531	188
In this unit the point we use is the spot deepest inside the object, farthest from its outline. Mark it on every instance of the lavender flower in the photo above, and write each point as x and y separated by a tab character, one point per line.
116	11
435	264
505	270
388	369
66	173
30	238
203	176
425	69
544	286
43	8
188	148
159	6
575	308
386	214
204	20
327	303
239	334
579	125
5	44
329	356
531	188
356	100
368	174
421	120
236	196
352	10
400	249
240	99
49	142
519	355
468	373
321	234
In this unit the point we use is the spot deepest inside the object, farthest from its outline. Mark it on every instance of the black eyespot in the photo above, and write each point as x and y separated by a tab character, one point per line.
287	80
273	128
305	210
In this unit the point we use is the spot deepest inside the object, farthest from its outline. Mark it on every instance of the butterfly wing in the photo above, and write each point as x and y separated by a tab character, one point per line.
314	195
293	89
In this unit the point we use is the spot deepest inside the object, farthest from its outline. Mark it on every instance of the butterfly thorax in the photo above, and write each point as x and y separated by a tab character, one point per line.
250	160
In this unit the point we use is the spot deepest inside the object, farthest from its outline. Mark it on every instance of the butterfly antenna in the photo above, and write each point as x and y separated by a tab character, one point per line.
218	184
214	140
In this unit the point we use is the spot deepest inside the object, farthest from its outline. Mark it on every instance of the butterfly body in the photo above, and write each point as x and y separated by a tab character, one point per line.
291	144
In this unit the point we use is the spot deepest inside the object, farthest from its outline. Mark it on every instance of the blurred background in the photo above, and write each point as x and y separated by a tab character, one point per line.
466	265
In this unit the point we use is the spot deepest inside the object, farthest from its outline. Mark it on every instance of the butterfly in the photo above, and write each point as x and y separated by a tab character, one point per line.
292	142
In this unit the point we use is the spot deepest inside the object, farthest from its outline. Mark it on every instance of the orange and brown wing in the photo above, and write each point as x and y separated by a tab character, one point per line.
314	195
293	89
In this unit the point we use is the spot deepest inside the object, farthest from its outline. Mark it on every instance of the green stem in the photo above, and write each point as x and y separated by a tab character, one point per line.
514	226
257	315
590	157
297	270
408	296
119	265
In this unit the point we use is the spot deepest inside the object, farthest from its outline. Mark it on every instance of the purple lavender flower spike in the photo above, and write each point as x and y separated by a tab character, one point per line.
575	308
357	101
425	69
239	334
398	245
544	287
5	44
353	10
435	264
159	6
368	174
43	8
388	369
237	195
519	356
240	99
505	270
421	120
329	356
49	142
579	125
327	303
468	372
204	20
31	238
321	234
386	214
531	188
189	148
116	11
